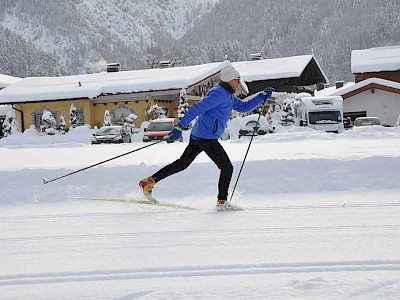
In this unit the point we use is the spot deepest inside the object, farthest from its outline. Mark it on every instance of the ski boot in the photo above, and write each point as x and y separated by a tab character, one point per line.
147	185
225	205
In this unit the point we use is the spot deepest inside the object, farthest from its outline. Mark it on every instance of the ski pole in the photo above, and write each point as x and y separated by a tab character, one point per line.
102	162
251	139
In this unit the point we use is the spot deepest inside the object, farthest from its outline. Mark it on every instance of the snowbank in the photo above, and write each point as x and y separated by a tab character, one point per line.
321	213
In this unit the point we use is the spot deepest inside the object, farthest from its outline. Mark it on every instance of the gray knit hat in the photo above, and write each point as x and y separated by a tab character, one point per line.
229	73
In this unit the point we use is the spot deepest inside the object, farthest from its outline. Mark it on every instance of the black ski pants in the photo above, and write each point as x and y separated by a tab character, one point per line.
217	154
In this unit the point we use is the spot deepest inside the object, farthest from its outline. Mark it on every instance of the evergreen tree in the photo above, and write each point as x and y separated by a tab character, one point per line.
270	125
73	121
48	123
63	125
130	122
155	112
183	106
107	118
287	115
10	124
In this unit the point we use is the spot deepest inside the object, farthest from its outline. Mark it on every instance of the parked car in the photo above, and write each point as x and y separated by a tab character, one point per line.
366	121
111	134
159	128
249	123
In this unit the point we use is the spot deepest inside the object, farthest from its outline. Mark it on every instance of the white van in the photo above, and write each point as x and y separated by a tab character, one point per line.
319	113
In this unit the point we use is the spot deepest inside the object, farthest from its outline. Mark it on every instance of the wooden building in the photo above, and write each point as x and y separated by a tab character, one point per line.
288	74
382	62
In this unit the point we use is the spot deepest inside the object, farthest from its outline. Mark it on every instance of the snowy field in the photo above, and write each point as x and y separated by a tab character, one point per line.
321	220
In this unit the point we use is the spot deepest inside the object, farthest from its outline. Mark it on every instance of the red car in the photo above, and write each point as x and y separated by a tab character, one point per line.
159	128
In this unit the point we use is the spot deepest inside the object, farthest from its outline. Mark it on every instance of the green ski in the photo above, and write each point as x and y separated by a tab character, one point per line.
137	201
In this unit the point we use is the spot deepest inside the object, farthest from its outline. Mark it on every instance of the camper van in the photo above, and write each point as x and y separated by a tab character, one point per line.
319	113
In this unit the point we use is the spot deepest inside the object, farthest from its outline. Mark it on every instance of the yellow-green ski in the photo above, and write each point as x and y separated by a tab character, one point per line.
137	201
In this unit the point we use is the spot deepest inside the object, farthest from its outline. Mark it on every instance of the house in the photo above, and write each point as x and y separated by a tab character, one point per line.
121	93
373	97
126	92
376	90
289	74
382	62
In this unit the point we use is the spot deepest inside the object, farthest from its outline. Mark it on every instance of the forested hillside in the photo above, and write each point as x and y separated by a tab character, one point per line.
20	58
81	35
329	29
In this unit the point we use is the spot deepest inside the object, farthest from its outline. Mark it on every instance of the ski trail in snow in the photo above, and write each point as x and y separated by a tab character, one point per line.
176	233
201	271
328	206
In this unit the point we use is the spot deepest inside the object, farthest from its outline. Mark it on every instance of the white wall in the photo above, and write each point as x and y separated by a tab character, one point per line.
381	104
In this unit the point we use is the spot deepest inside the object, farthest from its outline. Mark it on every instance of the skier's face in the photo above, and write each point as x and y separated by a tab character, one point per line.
234	83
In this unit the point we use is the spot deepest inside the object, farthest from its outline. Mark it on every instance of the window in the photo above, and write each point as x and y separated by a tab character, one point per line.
37	118
325	117
160	126
79	117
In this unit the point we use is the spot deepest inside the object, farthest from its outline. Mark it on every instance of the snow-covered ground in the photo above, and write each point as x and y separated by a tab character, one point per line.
321	220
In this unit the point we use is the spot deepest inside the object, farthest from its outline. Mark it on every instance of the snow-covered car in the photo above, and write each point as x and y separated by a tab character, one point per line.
249	123
159	128
366	121
226	134
111	134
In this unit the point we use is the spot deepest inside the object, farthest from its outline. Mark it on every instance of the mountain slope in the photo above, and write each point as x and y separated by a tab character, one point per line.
20	58
80	33
84	34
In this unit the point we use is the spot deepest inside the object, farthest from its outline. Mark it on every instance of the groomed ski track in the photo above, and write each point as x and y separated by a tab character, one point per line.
282	251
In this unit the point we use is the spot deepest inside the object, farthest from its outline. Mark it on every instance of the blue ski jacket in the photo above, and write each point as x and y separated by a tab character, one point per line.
214	111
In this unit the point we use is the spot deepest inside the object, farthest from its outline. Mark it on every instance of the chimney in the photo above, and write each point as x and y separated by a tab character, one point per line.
164	64
339	84
113	67
256	56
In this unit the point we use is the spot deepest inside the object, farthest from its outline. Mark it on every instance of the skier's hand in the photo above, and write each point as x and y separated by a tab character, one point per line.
174	135
267	92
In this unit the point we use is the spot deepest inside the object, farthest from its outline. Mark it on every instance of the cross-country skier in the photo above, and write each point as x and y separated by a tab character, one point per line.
213	113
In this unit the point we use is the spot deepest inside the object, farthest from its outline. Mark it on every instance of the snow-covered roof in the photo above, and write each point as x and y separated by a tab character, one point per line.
375	59
93	85
6	80
332	89
276	68
125	82
353	87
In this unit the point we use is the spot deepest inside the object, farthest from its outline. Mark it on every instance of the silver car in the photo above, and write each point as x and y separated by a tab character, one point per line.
366	121
111	134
